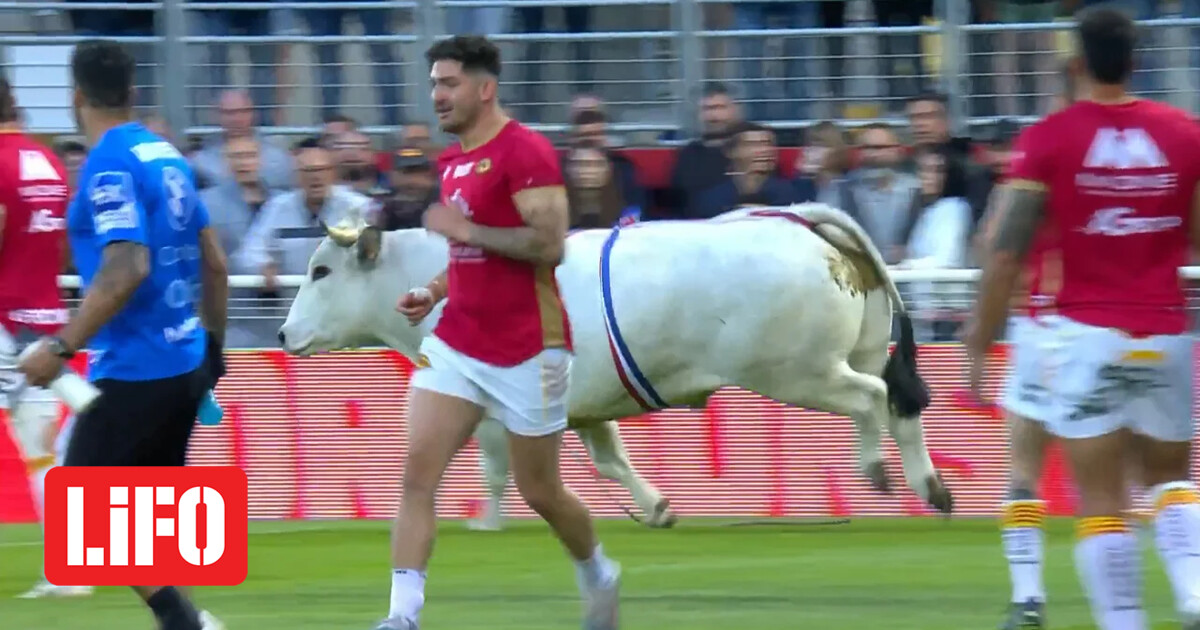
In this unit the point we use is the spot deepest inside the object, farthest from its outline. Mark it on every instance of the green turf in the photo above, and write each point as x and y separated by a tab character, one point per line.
910	574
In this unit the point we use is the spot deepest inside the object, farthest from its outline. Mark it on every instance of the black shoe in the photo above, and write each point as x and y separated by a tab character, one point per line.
1027	616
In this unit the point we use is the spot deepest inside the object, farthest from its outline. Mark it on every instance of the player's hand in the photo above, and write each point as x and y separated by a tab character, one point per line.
447	221
41	366
976	358
416	305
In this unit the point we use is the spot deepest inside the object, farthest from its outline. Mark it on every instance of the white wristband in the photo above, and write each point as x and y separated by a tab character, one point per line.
422	293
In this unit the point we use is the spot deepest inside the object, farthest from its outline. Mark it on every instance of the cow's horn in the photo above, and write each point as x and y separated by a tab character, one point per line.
344	234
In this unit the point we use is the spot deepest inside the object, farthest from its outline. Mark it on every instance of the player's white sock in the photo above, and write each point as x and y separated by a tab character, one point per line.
37	486
1109	564
1024	541
408	593
597	570
1177	536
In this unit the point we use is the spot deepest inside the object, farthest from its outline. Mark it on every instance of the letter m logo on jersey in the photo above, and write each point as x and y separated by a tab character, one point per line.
1122	149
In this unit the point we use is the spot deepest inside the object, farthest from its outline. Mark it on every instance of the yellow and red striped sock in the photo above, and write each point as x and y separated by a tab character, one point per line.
1024	542
1109	564
1177	537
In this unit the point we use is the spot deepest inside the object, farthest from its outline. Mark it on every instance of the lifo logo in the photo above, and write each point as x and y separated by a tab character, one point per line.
182	526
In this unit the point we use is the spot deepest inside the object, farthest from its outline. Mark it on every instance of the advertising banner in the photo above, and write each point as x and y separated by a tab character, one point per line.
323	437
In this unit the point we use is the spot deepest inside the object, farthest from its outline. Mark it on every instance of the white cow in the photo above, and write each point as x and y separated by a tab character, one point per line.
792	303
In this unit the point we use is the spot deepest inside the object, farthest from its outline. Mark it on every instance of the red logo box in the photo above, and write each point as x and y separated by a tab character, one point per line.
182	526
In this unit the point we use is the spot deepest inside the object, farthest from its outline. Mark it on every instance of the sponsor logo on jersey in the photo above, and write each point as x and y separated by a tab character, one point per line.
34	166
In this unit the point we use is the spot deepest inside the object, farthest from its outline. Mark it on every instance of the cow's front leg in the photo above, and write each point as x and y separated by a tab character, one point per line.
604	444
918	467
493	450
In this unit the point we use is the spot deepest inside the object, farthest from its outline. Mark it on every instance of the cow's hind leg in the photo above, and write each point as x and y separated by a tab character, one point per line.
863	398
604	445
909	437
493	451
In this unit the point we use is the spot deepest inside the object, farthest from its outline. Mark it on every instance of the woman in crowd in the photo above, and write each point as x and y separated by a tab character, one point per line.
595	195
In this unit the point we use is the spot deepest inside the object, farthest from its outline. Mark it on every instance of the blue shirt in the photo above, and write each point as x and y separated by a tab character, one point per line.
137	187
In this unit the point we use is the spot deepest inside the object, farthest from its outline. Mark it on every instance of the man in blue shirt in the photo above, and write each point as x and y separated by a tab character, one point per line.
141	243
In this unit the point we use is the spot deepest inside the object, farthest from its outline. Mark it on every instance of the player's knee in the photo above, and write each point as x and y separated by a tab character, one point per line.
1020	492
419	483
1164	463
542	495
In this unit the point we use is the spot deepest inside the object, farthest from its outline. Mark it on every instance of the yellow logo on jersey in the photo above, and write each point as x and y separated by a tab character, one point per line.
1146	356
483	166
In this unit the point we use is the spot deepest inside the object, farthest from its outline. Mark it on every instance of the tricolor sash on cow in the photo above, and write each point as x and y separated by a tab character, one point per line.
631	376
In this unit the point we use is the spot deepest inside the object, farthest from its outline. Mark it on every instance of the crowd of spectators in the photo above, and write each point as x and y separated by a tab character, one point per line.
779	78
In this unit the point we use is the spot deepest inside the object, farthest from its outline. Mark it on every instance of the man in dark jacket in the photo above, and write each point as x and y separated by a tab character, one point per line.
703	162
753	179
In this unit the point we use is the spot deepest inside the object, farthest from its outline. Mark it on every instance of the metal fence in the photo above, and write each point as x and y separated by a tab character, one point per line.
792	62
938	299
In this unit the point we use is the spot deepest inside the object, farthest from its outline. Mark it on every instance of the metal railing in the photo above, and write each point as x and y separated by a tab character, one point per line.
938	299
648	60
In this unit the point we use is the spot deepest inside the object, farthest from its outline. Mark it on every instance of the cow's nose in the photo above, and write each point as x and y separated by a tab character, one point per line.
282	337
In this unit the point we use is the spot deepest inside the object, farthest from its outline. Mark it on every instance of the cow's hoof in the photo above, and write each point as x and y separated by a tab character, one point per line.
878	475
940	498
663	517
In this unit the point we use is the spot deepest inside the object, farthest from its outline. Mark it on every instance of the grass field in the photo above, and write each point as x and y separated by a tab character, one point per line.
911	574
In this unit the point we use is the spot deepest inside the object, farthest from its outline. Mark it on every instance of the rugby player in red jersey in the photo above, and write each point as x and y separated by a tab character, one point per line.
502	346
1118	179
1024	403
33	206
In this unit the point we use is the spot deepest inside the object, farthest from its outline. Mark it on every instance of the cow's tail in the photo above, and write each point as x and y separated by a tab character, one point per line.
908	394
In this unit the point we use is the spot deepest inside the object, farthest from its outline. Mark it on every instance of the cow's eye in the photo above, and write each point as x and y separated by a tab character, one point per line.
320	271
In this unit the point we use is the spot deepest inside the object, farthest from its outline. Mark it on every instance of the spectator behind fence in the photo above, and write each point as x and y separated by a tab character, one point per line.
158	125
594	191
356	165
418	136
414	187
336	125
239	22
72	153
779	97
930	125
386	72
940	239
318	199
122	23
901	54
236	112
821	164
577	19
703	162
881	196
589	128
753	178
235	207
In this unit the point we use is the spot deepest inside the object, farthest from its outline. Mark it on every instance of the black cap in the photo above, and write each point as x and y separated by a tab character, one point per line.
409	158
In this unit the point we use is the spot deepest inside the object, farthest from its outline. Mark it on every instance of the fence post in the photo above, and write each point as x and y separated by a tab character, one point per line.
954	14
688	19
174	71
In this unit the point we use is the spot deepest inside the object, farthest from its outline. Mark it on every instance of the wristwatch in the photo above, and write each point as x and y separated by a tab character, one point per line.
59	348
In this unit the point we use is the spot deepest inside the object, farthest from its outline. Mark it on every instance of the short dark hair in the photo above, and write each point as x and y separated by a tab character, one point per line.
931	96
475	52
1107	37
738	130
65	147
715	88
311	142
341	118
9	112
103	72
588	117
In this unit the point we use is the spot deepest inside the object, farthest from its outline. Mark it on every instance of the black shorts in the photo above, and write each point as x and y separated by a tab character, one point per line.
138	423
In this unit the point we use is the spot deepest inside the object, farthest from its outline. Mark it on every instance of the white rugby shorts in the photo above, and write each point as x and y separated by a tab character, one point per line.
529	399
1025	391
1102	380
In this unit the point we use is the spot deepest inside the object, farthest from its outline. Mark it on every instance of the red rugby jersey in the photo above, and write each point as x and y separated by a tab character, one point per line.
499	310
1119	182
33	193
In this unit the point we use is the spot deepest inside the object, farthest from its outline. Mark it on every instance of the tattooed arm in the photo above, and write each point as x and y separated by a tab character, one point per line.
123	266
1019	212
541	239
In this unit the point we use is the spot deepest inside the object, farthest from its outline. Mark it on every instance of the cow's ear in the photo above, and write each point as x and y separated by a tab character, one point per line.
369	244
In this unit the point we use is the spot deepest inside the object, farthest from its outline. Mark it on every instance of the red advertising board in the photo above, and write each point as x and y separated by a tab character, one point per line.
322	437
